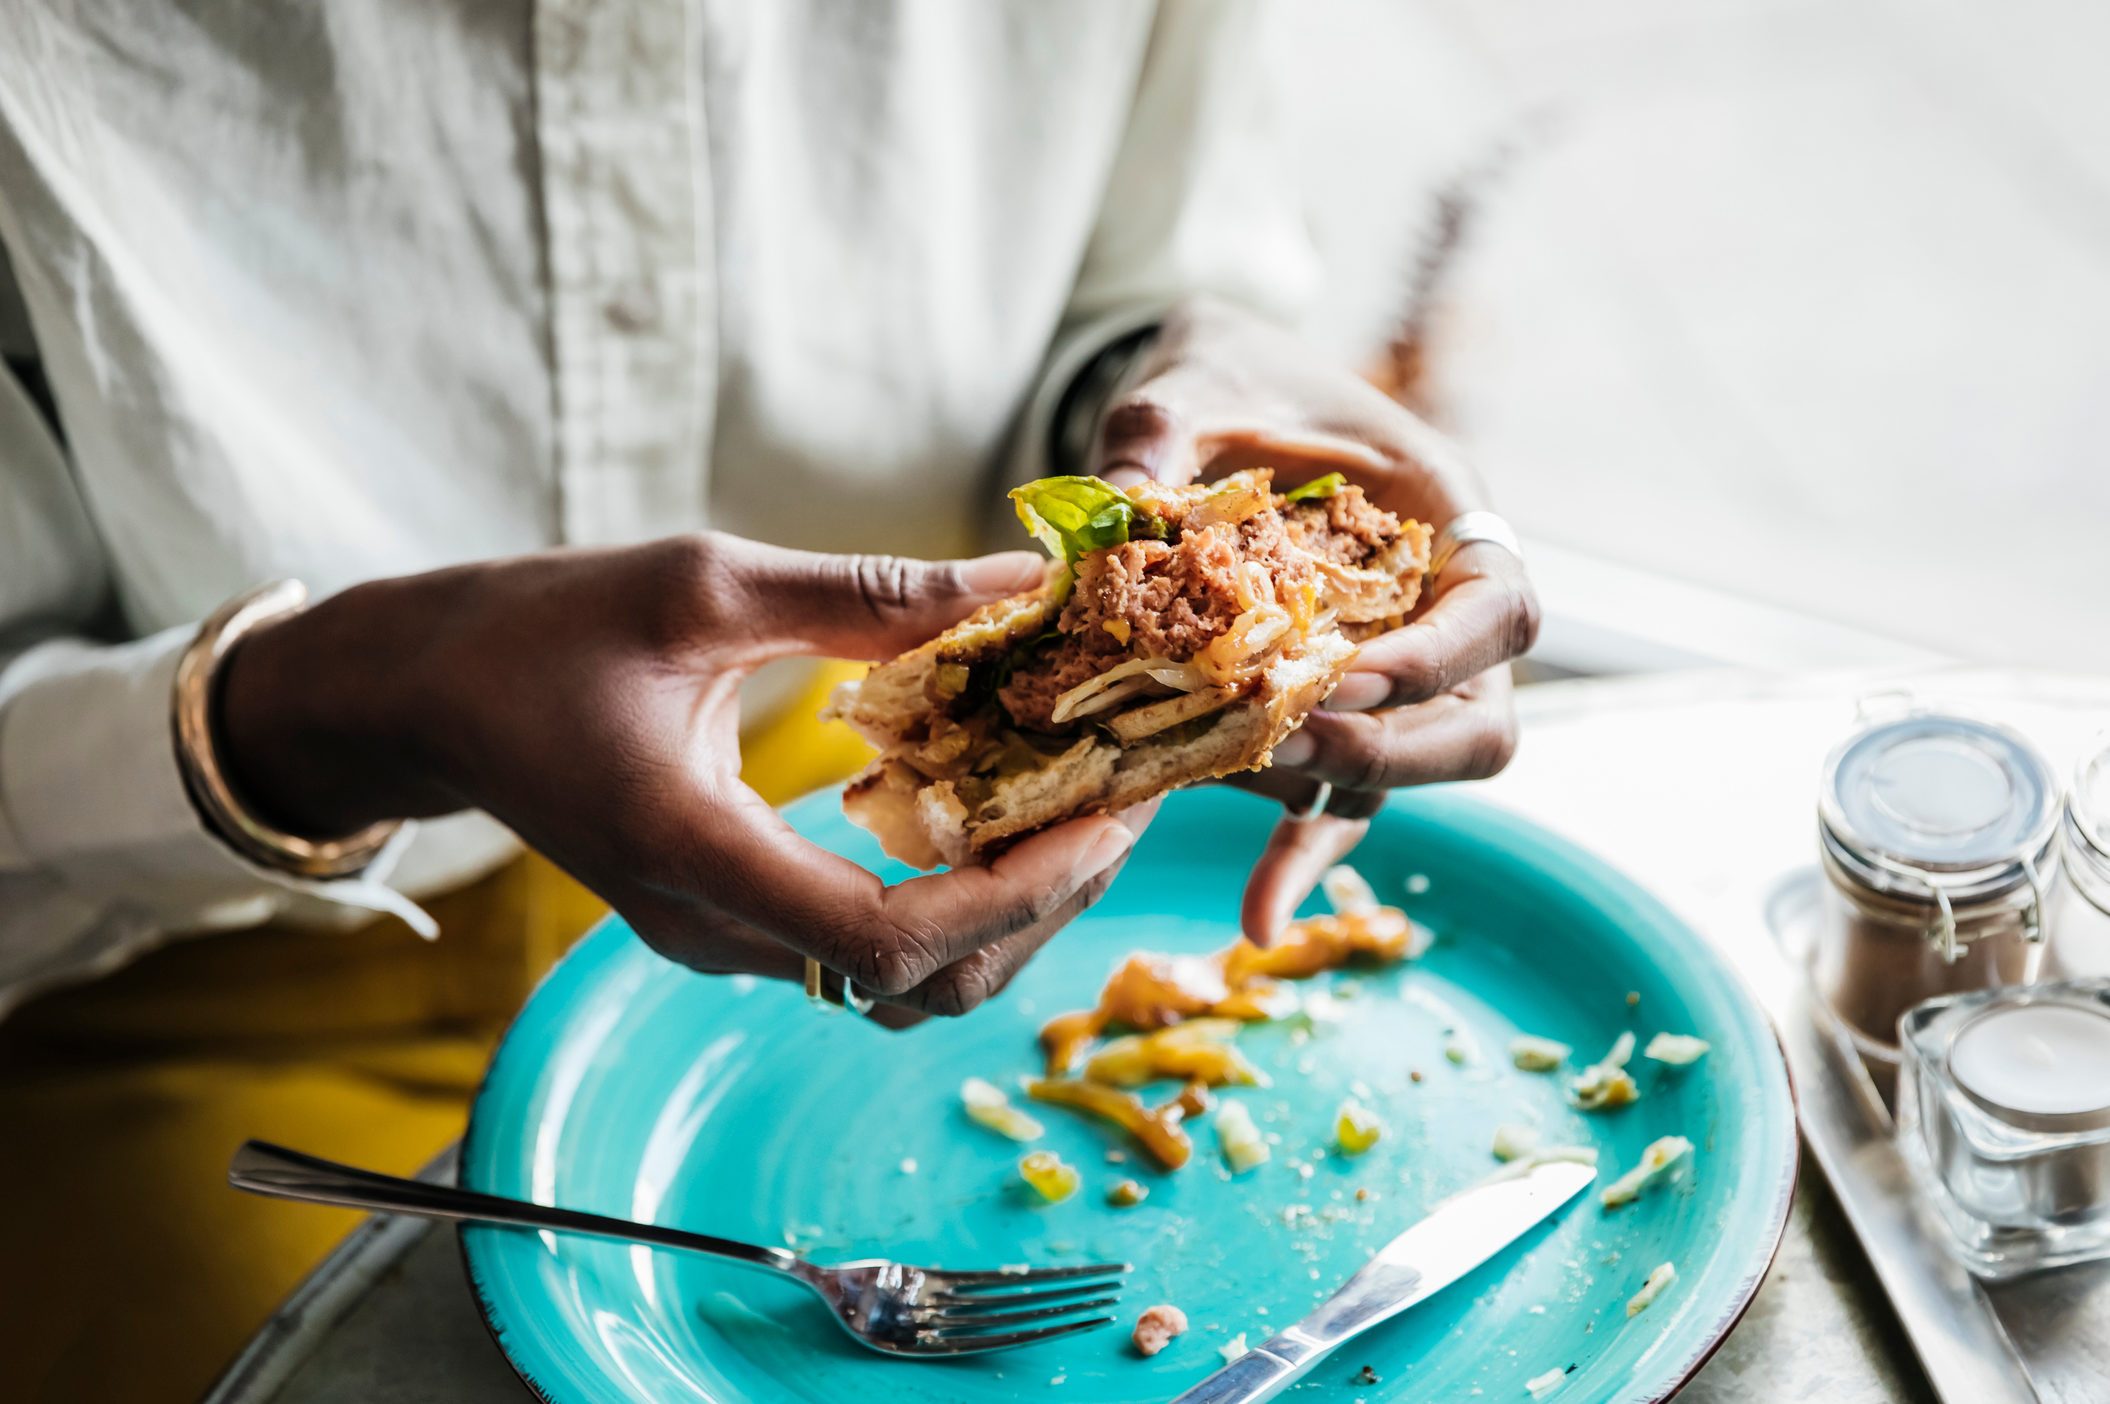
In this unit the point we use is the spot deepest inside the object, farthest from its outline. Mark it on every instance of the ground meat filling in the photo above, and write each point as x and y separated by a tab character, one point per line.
1170	599
1035	684
1346	528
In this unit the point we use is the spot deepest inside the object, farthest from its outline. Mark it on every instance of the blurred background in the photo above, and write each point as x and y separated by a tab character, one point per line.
1780	327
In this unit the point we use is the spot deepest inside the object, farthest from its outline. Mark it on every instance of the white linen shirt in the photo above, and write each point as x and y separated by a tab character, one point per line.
340	289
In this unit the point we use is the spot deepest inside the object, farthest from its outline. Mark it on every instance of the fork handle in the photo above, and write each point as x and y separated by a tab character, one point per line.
262	1168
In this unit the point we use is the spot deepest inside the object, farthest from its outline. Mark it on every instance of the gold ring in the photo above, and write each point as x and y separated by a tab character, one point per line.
817	989
843	996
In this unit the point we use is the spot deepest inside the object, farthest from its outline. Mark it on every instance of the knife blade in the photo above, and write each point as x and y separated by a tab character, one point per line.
1455	1237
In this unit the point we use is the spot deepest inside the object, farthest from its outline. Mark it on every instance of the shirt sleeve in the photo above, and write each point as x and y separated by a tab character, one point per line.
101	850
1202	199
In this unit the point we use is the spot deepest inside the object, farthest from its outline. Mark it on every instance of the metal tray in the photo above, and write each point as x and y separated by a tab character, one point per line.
2044	1338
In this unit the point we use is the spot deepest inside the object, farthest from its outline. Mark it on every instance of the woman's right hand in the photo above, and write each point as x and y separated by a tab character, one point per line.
589	700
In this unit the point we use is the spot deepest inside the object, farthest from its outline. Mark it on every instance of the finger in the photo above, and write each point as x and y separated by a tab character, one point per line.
889	939
1295	791
1462	735
1298	854
1143	437
861	606
1484	615
1297	457
968	982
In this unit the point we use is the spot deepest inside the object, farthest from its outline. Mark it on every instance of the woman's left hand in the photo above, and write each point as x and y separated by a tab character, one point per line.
1218	391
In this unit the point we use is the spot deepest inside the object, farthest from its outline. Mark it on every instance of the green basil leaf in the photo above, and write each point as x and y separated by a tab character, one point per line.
1072	516
1317	488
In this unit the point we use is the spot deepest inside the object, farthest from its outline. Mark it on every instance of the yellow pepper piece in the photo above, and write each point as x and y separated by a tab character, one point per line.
1053	1180
1356	1128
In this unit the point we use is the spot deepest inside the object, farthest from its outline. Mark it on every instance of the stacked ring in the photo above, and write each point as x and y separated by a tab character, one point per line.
1470	528
1313	807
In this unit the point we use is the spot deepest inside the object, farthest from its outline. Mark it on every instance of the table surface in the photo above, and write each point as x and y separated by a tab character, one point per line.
1624	767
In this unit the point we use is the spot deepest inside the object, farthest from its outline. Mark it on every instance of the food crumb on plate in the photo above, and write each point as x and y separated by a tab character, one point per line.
1606	1084
1513	1141
1676	1050
1539	1386
1532	1053
1241	1141
1156	1327
989	1106
908	1165
1127	1194
1662	1154
1233	1348
1660	1278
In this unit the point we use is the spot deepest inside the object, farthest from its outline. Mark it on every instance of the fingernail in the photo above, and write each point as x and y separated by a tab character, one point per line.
1136	818
1113	841
1296	749
1359	692
1003	572
1126	478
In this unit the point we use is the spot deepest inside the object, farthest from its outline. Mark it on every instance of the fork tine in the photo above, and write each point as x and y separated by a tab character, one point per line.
988	1303
959	1321
973	1345
949	1281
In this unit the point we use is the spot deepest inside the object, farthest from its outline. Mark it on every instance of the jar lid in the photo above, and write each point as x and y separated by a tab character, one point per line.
1936	800
2088	824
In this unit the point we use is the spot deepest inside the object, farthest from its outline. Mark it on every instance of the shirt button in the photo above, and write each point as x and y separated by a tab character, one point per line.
634	310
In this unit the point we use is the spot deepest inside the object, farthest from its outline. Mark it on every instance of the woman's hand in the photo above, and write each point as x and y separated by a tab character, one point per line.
1218	391
589	700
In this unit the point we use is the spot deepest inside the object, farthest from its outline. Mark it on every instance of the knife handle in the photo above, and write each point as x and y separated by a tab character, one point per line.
1253	1376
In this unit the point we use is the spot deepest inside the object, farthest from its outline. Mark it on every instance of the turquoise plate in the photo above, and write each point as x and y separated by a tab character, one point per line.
632	1087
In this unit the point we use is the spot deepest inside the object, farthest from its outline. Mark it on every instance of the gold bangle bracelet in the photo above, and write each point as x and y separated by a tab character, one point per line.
197	755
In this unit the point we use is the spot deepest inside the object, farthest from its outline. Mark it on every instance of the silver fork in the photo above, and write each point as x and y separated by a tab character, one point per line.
892	1307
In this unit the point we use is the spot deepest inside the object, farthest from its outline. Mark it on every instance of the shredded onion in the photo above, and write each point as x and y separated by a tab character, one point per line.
1235	654
1073	703
1106	697
1183	676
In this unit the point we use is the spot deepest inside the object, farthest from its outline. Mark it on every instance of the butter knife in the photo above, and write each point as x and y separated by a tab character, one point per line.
1457	1236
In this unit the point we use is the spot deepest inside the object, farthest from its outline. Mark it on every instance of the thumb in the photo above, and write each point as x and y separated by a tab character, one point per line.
804	602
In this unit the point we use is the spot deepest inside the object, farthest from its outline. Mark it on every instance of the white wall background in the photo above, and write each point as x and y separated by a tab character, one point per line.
1799	303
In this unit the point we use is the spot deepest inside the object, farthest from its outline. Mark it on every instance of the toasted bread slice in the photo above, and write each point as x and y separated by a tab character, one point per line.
924	822
895	699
